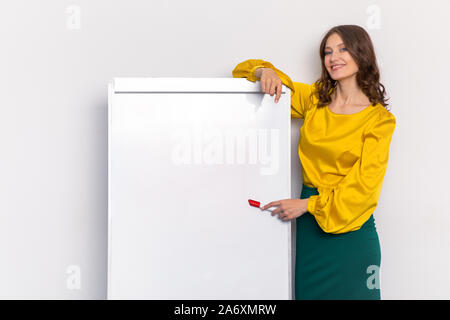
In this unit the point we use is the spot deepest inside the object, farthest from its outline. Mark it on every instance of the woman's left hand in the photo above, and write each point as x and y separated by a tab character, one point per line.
288	209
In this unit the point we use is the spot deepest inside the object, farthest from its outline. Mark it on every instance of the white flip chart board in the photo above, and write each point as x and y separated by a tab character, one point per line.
184	157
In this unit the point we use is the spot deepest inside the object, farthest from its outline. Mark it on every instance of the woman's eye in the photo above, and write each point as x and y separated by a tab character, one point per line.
330	51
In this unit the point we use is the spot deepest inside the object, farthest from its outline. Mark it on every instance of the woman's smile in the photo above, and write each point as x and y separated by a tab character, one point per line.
337	67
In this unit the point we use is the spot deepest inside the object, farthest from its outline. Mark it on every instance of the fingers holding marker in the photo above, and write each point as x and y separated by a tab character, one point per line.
257	204
270	204
277	211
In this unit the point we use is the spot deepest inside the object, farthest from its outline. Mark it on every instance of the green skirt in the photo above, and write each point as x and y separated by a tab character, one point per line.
336	266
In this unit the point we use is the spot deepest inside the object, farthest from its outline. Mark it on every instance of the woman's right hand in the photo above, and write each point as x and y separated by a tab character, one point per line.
270	82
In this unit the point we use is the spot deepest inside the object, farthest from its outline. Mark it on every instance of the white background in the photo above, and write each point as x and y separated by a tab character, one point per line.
53	121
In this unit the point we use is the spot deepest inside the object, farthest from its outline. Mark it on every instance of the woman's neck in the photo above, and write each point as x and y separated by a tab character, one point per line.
349	94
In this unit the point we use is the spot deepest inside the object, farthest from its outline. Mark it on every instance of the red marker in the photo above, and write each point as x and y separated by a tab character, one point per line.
256	204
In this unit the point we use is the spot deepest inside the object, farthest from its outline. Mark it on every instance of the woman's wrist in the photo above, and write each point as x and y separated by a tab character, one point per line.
257	73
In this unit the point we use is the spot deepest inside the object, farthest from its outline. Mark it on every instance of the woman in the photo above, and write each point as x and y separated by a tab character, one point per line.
344	151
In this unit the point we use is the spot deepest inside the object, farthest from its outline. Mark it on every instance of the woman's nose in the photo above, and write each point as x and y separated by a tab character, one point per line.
334	59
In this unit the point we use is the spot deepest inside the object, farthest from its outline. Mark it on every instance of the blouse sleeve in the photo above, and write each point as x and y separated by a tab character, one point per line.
301	93
348	205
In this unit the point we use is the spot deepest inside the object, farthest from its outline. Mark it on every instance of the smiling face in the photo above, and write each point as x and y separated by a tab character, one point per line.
338	61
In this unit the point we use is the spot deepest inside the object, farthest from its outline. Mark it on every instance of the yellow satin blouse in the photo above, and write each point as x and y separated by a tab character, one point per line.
344	156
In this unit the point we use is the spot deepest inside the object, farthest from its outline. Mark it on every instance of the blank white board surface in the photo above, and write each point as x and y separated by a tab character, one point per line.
184	157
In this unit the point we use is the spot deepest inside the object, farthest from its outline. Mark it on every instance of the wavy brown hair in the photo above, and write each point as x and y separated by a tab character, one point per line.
359	45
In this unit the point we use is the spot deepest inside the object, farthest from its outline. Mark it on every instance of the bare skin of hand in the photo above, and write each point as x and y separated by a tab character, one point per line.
270	82
288	209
